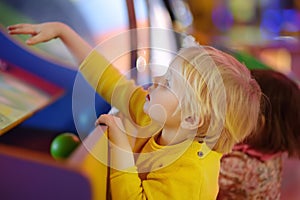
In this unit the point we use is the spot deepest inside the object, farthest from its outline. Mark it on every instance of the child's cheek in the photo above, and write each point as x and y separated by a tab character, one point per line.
157	112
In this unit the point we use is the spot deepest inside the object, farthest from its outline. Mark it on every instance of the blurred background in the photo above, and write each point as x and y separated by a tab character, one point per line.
260	33
266	29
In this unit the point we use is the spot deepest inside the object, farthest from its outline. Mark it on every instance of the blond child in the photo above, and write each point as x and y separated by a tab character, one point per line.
204	104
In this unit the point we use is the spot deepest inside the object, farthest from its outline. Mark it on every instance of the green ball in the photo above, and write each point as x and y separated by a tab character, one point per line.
63	145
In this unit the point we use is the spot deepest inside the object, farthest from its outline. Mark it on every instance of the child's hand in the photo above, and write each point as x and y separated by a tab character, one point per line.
117	134
39	32
121	152
50	30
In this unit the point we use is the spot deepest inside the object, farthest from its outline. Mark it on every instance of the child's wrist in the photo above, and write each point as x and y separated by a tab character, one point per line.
61	28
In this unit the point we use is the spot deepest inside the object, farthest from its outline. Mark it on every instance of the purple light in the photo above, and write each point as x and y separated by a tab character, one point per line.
222	18
291	20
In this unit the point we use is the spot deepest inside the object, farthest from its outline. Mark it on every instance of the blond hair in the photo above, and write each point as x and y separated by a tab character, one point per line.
223	97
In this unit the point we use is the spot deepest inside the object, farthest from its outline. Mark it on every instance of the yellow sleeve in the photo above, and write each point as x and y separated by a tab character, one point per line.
117	90
176	182
114	87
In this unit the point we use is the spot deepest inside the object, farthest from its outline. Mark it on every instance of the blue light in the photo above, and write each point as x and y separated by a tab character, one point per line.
272	21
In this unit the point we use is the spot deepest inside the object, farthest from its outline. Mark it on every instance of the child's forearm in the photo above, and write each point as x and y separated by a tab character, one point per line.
75	44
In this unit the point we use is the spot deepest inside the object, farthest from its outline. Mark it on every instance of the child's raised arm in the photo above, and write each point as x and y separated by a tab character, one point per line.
107	81
51	30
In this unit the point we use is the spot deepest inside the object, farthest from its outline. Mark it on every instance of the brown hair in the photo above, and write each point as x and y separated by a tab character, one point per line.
280	122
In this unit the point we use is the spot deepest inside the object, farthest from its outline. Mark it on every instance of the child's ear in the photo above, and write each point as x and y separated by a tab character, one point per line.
190	123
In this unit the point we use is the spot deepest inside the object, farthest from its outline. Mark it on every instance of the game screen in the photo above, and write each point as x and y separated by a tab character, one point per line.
22	94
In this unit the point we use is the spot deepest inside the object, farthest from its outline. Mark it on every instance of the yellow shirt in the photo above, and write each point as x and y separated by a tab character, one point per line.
188	170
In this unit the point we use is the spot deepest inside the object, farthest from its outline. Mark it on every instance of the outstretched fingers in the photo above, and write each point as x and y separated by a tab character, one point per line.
35	39
28	29
23	29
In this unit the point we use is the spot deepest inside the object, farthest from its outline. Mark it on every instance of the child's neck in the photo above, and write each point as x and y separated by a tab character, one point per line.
171	136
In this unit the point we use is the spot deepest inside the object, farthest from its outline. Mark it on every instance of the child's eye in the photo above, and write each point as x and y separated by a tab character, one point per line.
154	83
